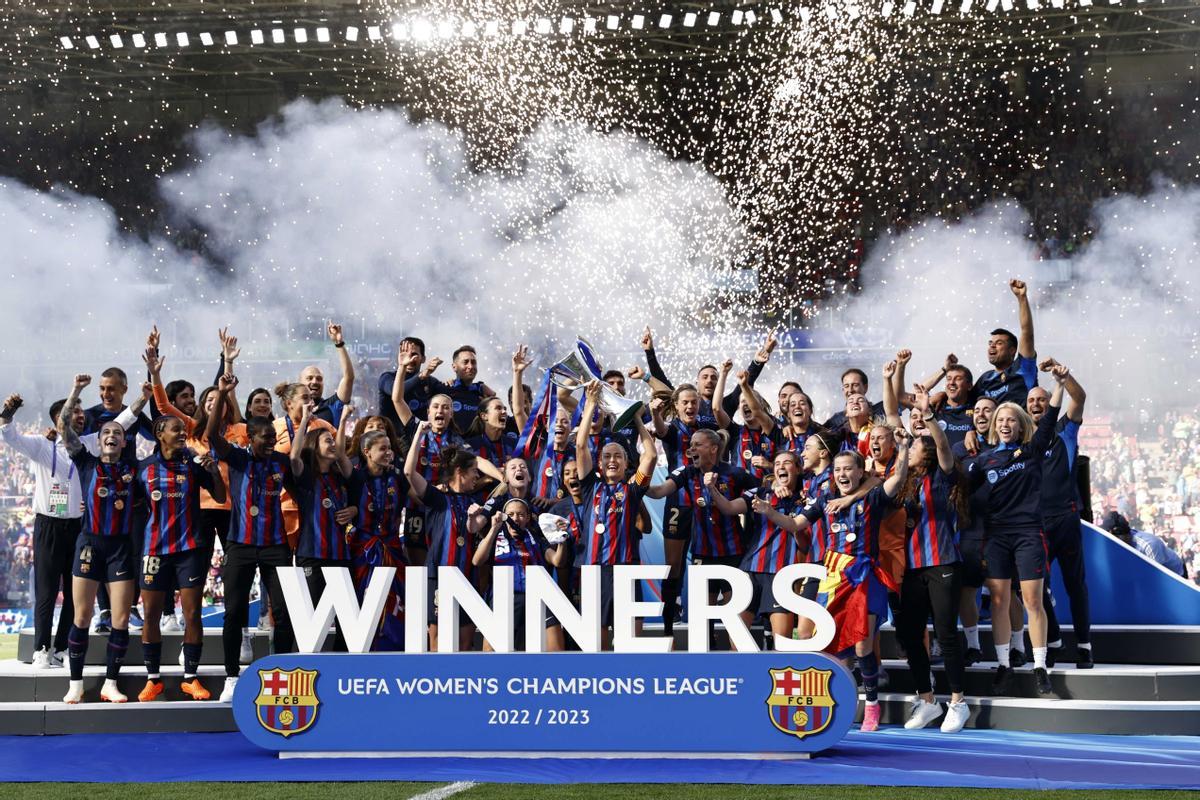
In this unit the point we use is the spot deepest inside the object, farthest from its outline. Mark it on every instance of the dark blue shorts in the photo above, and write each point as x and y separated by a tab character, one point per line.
763	603
1015	554
973	573
677	521
106	559
186	570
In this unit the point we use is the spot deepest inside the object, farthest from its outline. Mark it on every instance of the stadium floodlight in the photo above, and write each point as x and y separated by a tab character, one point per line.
664	21
612	22
491	28
278	36
991	6
469	29
351	34
638	22
910	8
937	6
831	12
1006	5
206	39
300	35
1056	3
66	42
230	37
445	29
422	30
736	17
776	16
589	25
256	37
542	26
965	8
853	11
115	39
805	14
566	25
1032	5
519	27
713	18
160	40
399	31
139	40
93	42
322	34
181	39
1085	3
374	33
886	10
751	17
689	19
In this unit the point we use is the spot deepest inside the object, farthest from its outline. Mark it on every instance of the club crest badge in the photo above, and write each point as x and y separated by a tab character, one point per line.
800	703
287	700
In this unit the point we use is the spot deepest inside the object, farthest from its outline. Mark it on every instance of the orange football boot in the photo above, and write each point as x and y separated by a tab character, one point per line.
195	689
150	691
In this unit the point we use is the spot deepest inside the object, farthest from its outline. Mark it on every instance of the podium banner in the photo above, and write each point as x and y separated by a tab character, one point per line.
561	703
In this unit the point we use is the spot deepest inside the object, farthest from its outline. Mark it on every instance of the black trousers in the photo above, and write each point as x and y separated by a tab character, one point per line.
1064	541
316	587
925	591
53	553
237	573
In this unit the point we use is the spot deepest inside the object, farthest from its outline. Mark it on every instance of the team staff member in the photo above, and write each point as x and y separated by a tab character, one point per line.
706	378
612	500
856	587
418	380
330	408
465	392
1014	362
257	538
172	478
1060	509
854	384
320	472
775	539
1014	544
379	490
452	522
57	506
514	541
104	551
970	538
932	584
953	414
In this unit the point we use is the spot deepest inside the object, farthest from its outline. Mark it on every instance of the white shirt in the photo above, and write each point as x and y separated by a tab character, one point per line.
57	491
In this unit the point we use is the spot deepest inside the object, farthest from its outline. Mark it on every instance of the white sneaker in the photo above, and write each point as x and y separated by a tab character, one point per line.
181	656
43	660
246	655
956	717
59	658
922	714
170	625
227	692
74	693
111	694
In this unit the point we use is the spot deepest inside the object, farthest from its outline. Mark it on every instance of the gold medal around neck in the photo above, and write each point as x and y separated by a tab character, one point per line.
599	527
119	504
102	491
747	454
326	503
254	511
460	541
851	537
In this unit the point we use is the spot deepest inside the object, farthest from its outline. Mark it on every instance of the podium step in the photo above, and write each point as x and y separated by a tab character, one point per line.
22	683
1129	717
38	719
213	652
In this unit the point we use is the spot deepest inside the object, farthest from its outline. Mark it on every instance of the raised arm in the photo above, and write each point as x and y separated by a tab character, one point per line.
891	408
66	430
229	353
485	551
521	361
945	453
892	486
339	442
297	454
656	370
792	525
416	480
726	506
154	363
407	356
345	390
583	454
723	420
758	414
1025	345
1076	396
649	454
212	431
903	356
753	370
936	377
656	415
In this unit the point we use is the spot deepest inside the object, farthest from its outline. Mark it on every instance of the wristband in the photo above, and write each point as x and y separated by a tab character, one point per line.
646	377
928	416
339	344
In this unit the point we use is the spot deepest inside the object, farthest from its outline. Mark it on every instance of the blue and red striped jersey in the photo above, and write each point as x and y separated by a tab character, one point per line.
379	499
173	488
610	533
772	548
519	549
320	497
854	531
795	444
108	494
547	474
450	543
713	533
745	443
933	523
497	452
817	486
255	495
676	443
429	449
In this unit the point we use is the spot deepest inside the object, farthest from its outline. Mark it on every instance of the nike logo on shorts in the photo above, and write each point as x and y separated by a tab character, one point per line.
119	574
193	579
948	574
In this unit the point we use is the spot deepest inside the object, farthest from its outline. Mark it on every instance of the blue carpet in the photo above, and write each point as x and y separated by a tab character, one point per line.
891	757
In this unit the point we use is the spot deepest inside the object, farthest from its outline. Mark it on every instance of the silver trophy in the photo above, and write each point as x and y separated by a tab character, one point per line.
580	367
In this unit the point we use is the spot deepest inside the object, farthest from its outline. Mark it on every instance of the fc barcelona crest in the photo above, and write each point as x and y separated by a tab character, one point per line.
800	703
287	700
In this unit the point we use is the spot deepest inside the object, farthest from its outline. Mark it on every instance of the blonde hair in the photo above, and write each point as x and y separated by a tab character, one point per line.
993	436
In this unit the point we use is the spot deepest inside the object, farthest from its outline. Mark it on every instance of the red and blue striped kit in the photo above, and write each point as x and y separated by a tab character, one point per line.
450	543
497	452
379	499
817	486
173	488
320	497
713	533
745	443
610	533
255	494
107	495
933	535
519	550
773	548
547	477
855	531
